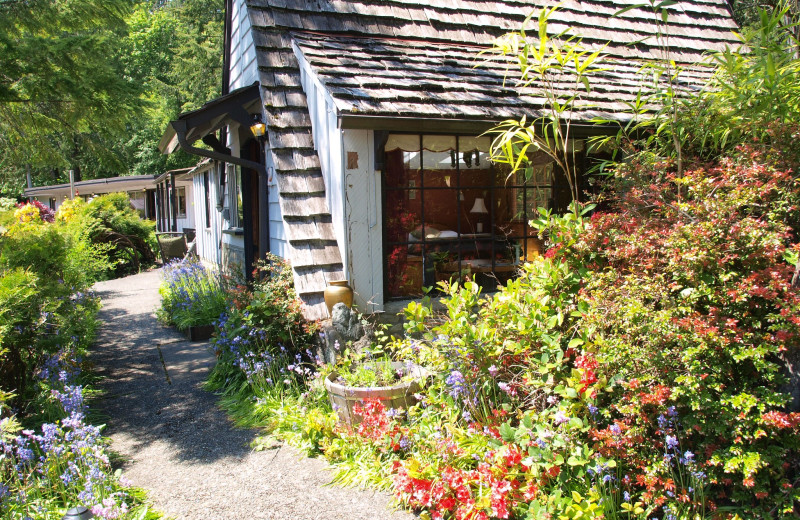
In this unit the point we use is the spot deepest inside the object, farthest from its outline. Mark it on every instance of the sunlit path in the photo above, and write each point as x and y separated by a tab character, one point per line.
180	446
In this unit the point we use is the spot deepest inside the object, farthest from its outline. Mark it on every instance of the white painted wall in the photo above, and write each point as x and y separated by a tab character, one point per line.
208	236
363	211
329	146
189	219
244	70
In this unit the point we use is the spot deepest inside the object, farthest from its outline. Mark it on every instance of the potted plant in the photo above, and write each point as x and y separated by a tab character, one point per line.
393	383
192	298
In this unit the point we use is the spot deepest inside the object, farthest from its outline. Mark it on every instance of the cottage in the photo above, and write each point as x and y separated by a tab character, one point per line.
372	166
139	188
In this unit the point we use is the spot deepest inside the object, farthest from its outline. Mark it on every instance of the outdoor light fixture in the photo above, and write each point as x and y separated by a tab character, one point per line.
258	128
78	513
479	208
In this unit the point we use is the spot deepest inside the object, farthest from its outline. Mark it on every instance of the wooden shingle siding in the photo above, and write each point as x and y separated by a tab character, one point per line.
417	59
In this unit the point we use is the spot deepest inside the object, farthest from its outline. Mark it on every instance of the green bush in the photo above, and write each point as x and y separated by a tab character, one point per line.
110	222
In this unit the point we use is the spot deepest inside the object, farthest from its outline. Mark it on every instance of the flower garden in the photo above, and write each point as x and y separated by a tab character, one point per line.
636	370
642	368
52	457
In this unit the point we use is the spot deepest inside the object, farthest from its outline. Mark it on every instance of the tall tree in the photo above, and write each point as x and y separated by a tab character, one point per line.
62	96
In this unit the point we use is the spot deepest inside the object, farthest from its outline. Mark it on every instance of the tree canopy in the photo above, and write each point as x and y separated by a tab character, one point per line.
90	85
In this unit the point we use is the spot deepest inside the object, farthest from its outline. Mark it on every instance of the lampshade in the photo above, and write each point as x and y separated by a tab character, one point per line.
479	206
258	128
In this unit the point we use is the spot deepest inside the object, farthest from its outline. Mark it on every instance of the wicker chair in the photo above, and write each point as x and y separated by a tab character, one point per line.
172	246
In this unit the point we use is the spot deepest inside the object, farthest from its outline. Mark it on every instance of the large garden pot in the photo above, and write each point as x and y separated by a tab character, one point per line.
338	292
343	398
199	332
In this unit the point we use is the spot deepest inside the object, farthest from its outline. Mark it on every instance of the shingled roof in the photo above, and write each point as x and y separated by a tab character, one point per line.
415	59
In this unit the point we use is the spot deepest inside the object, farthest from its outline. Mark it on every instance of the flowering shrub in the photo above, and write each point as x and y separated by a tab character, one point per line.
264	331
70	209
66	463
46	325
190	294
34	211
691	301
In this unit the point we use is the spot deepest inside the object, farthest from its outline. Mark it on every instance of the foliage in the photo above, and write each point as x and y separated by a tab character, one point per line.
364	370
110	223
122	70
61	261
692	292
45	474
753	94
191	295
548	63
59	91
47	322
756	88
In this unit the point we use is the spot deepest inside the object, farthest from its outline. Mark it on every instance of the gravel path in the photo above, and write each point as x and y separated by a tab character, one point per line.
180	446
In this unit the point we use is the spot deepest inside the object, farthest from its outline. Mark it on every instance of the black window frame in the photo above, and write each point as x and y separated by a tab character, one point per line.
491	190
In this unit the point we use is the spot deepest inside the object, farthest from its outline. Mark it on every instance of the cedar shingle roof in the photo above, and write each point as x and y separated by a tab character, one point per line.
415	58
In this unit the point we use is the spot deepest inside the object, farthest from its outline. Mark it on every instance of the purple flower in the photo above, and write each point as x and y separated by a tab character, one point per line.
560	417
493	371
672	442
456	383
615	429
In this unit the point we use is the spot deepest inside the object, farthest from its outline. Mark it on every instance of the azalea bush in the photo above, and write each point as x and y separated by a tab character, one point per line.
191	294
691	308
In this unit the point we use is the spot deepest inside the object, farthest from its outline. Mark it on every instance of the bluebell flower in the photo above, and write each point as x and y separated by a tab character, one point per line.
672	442
456	383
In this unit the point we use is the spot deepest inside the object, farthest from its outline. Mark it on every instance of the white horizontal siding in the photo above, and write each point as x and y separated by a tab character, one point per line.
243	67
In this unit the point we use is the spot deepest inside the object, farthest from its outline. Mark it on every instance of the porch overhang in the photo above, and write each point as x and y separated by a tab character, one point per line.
237	108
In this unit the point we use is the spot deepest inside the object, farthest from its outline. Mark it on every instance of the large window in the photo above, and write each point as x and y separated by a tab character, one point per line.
452	214
180	197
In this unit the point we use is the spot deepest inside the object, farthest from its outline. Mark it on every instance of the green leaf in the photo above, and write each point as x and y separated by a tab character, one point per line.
507	432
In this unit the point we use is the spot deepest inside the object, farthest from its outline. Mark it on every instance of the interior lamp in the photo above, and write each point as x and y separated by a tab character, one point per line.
258	128
479	208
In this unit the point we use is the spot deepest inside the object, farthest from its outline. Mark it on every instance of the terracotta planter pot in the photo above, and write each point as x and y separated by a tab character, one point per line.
343	398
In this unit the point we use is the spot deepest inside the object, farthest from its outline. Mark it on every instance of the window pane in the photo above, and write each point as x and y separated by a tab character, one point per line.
403	215
451	214
404	272
402	169
238	198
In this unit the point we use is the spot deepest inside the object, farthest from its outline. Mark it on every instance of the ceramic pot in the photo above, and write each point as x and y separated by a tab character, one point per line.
338	292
